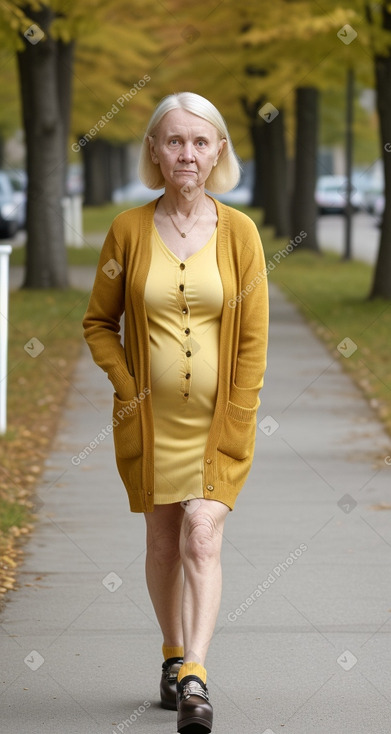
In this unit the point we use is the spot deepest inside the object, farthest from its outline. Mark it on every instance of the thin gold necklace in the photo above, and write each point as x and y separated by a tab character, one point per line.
182	234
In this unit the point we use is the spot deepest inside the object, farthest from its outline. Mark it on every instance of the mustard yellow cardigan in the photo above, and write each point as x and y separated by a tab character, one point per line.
119	287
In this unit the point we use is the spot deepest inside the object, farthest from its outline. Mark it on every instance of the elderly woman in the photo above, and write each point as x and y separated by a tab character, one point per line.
189	273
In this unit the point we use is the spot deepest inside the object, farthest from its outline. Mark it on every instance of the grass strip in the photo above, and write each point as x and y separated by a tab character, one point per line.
332	294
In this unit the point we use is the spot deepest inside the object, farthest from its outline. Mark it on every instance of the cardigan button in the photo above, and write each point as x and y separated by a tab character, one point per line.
210	487
181	287
184	310
187	375
188	354
182	266
149	492
209	461
187	331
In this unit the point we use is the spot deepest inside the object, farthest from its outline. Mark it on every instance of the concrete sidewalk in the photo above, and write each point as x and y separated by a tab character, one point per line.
303	636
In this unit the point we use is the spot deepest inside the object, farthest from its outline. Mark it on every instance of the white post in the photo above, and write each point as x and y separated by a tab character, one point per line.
66	213
77	220
73	220
5	251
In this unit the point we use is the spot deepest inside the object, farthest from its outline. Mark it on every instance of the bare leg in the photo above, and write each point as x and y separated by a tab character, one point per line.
200	546
164	572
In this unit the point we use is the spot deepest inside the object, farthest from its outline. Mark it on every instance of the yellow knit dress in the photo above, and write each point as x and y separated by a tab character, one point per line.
184	301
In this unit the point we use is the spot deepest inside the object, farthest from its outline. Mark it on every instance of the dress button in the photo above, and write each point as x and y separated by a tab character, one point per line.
188	354
182	266
149	492
210	487
184	310
209	461
188	376
181	287
187	331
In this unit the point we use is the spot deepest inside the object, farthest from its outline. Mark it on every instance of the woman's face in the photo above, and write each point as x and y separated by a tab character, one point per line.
186	148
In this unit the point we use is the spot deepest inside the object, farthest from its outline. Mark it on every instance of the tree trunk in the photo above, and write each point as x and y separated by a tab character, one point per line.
96	172
256	132
115	173
64	85
268	198
381	286
126	159
257	137
275	176
303	204
46	261
103	170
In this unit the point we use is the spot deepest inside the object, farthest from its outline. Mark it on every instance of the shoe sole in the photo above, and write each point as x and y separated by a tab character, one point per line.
194	726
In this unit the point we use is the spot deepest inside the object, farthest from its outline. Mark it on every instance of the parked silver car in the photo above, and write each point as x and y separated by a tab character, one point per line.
8	207
330	195
18	179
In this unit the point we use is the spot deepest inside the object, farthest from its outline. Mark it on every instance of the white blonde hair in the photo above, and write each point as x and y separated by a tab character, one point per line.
224	176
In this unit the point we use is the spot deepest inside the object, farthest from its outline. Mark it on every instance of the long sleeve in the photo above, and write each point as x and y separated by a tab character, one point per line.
101	321
254	324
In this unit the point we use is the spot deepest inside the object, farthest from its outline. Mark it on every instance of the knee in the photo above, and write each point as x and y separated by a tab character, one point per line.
202	539
163	547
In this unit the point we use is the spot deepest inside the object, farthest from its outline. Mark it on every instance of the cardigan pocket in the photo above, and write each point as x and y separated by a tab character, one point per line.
127	428
237	434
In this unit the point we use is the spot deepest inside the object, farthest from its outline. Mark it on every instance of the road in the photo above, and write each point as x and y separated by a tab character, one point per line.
365	235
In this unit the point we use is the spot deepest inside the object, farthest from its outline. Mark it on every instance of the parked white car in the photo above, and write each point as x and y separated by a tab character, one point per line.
330	195
378	207
18	179
8	207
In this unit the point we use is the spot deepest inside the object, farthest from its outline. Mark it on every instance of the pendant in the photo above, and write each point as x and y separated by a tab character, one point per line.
183	234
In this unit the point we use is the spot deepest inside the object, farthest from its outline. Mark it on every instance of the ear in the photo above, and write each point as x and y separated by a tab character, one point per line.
220	148
151	141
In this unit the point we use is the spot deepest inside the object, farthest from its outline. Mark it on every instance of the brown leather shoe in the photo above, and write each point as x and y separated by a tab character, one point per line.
195	713
170	669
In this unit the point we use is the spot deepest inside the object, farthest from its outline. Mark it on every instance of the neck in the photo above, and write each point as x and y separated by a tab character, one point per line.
176	203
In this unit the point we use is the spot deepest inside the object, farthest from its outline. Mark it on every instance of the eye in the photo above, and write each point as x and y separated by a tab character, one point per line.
174	141
202	143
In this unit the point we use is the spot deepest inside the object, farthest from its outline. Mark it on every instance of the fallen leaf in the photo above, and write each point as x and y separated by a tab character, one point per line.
7	585
9	561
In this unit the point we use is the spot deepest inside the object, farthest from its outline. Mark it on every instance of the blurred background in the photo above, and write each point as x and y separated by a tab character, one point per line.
305	88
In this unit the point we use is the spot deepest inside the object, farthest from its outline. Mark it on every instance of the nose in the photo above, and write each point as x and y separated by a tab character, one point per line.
187	153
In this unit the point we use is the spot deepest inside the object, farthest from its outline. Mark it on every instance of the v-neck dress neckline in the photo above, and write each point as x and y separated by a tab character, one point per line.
178	259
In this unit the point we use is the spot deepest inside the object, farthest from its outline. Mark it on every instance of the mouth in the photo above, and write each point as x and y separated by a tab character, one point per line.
185	170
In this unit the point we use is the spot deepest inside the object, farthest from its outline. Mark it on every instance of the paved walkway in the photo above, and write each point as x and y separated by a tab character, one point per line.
302	644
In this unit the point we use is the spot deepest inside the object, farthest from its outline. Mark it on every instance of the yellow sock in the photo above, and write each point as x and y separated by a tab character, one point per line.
192	669
172	652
